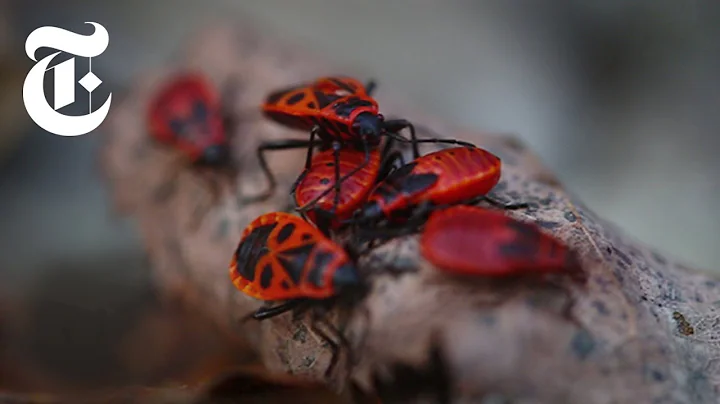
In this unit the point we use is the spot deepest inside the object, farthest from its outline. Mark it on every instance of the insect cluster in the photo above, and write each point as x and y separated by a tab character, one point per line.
355	182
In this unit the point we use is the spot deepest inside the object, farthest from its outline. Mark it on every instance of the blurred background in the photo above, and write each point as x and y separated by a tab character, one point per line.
620	98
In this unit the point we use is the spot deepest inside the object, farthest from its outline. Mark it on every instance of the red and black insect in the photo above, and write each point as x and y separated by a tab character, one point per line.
458	175
189	115
469	240
333	209
337	108
281	257
341	112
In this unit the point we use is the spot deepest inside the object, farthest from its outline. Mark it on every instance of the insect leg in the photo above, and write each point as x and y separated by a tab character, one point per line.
447	141
308	158
170	179
205	206
284	144
227	101
297	182
370	87
265	313
503	205
496	203
389	163
334	346
387	148
396	125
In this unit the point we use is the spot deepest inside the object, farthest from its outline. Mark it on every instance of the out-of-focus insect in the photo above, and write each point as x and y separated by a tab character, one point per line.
469	240
188	114
281	257
333	209
458	175
341	112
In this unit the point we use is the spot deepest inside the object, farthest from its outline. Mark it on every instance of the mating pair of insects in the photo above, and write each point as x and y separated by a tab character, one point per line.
339	113
344	123
282	257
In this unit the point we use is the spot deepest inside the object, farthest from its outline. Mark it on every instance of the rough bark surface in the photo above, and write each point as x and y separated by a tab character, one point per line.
646	325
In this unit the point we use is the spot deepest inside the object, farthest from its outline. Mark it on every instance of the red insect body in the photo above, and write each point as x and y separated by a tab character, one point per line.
332	103
186	114
282	257
353	191
469	240
446	176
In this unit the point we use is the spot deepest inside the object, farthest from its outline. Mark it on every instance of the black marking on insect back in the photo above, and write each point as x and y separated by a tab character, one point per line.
177	125
294	260
252	249
274	97
415	184
288	120
285	285
307	236
397	181
387	192
266	276
319	268
200	112
342	128
285	233
343	85
311	105
342	109
324	99
328	130
330	126
325	181
396	176
526	243
518	250
296	98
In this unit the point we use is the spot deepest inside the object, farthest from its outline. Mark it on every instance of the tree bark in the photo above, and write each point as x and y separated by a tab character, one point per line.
646	324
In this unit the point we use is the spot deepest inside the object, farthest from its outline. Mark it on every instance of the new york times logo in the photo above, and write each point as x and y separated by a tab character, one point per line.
40	111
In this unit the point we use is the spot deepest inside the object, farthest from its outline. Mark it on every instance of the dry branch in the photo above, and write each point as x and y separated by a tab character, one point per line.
507	341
